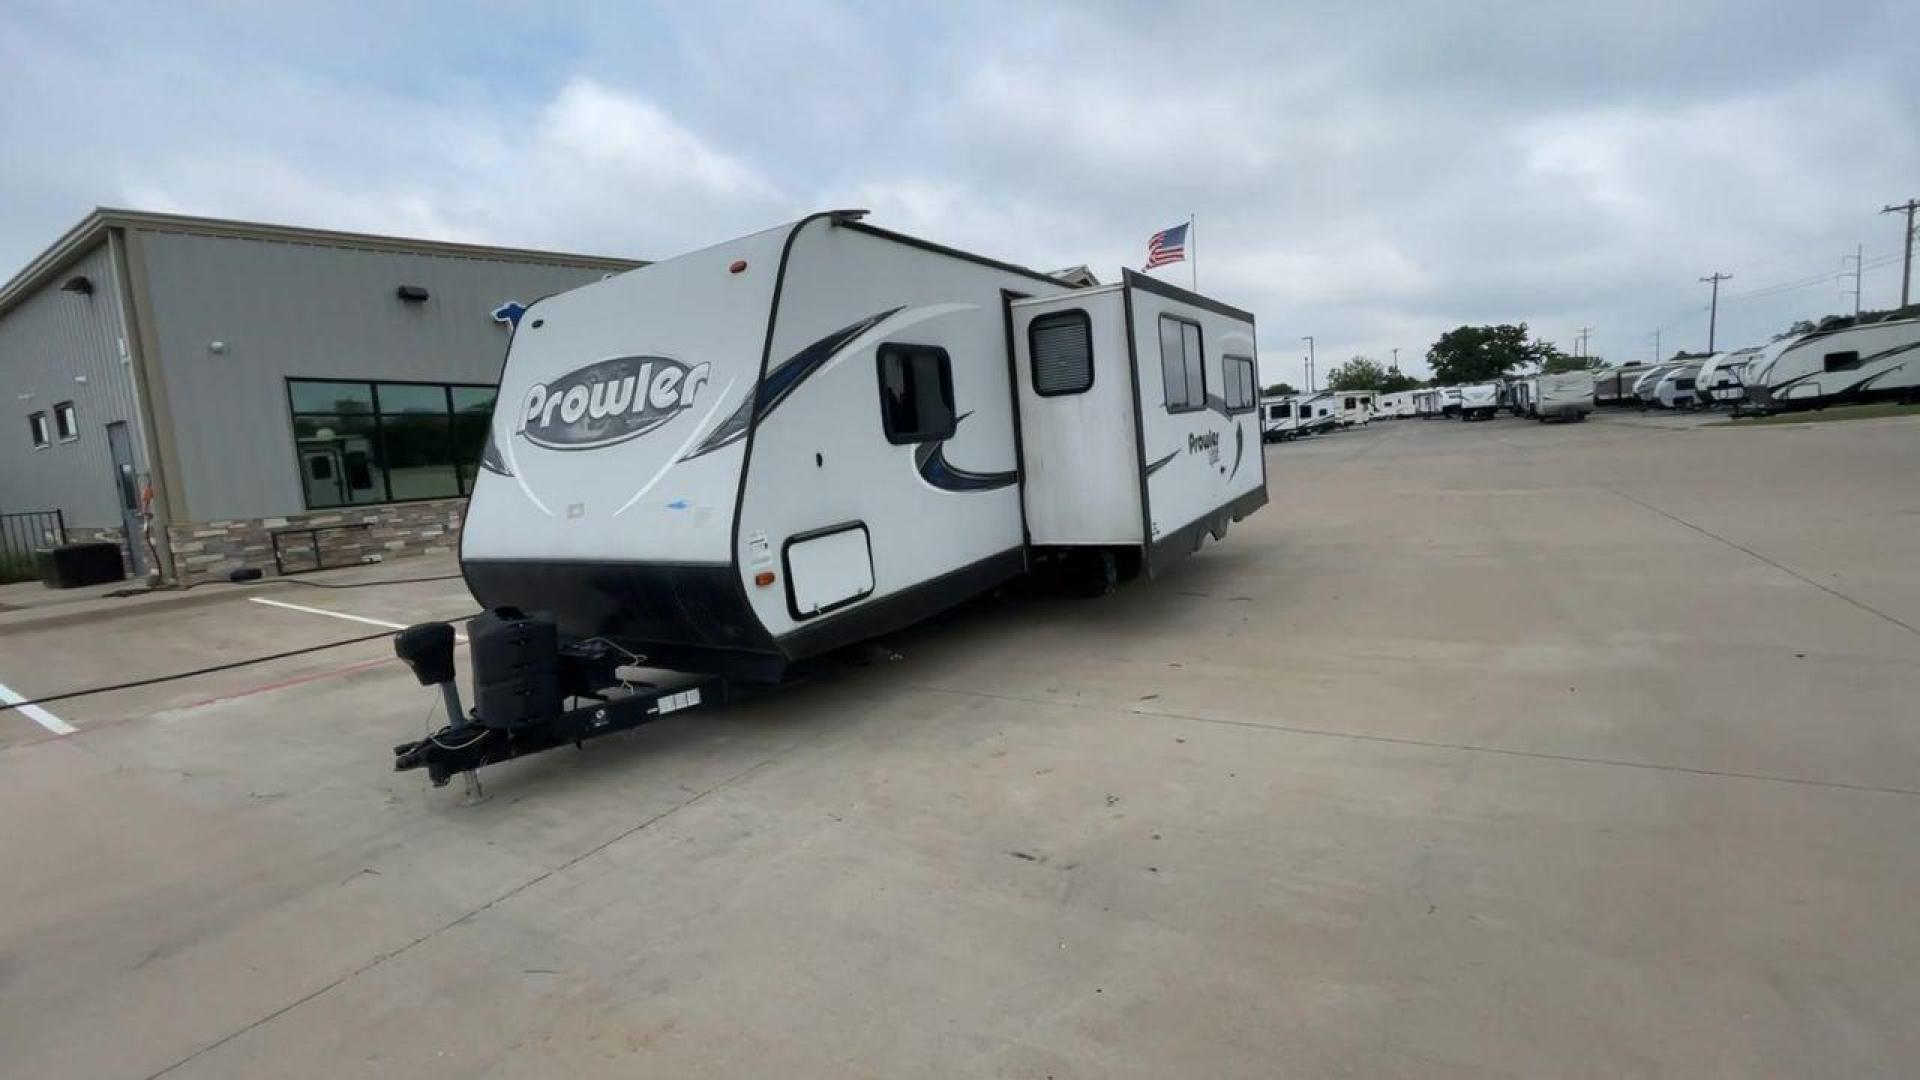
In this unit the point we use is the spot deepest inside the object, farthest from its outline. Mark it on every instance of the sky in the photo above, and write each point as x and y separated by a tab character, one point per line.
1369	174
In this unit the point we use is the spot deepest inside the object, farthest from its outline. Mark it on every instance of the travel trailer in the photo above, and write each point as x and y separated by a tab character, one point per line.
1479	402
1615	387
1426	403
736	459
1720	380
1842	362
1675	389
1643	388
1450	401
1520	393
1396	405
1566	396
1353	407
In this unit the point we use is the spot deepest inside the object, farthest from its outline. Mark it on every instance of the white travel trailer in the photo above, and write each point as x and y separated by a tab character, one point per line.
1566	396
1291	416
1395	405
1643	388
1841	363
1721	381
1353	407
1675	390
1449	398
1520	395
1480	402
732	460
1426	403
753	453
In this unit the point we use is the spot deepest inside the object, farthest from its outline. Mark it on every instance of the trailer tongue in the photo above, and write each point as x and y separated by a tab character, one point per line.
533	692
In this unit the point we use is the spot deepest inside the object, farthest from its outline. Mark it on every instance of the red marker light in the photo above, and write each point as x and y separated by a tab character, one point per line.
738	266
763	579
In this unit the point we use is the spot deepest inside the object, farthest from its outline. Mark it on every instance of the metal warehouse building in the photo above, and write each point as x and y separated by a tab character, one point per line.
249	395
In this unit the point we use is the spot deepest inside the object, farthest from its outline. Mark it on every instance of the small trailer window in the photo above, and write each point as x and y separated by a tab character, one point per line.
38	423
1241	394
1061	345
1181	367
1843	361
66	421
916	393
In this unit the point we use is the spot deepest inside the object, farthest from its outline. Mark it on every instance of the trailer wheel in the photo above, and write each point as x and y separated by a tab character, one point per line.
1097	573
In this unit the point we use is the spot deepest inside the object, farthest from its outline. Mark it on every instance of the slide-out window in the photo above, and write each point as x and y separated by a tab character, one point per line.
916	393
1241	394
1843	361
1061	345
38	423
1181	366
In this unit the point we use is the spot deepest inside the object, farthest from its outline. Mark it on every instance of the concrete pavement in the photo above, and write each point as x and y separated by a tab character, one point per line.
1491	749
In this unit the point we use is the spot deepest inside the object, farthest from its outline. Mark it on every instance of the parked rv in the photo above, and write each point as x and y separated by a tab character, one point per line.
732	460
1353	407
1449	401
1642	392
1566	396
1841	363
1289	417
1480	402
1675	389
1520	395
1721	379
1426	403
1615	387
1396	405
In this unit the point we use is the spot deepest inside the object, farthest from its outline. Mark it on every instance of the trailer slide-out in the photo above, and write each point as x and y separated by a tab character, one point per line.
731	461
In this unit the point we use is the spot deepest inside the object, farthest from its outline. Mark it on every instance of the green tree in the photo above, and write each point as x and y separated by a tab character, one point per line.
1365	373
1475	354
1279	389
1554	362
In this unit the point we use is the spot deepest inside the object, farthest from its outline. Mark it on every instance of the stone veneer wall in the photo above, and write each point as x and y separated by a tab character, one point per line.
210	550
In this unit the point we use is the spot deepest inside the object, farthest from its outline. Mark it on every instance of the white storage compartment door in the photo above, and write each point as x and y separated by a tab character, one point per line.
827	569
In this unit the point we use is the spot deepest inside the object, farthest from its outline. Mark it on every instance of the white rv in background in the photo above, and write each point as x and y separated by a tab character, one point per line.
1642	391
1566	396
1721	381
757	452
1353	407
1844	362
1675	390
1426	403
1520	395
1480	402
1449	398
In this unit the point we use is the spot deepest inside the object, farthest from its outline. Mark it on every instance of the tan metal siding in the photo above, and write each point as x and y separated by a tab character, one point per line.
285	309
48	342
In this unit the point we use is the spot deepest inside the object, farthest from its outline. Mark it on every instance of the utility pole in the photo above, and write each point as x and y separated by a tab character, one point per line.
1309	340
1580	351
1906	268
1656	344
1713	313
1858	265
1396	358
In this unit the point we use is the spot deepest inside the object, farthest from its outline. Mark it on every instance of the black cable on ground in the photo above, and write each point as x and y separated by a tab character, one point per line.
4	706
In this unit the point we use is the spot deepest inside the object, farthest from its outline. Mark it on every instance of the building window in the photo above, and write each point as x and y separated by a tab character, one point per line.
916	393
1181	367
1061	345
66	421
42	438
373	442
1241	393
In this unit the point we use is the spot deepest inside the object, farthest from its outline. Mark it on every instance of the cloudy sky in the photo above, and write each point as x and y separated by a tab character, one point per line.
1371	174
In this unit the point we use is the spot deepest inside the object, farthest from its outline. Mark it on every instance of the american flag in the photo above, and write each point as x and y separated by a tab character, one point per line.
1167	246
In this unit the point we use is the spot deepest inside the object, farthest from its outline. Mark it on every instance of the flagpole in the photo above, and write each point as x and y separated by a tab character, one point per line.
1193	256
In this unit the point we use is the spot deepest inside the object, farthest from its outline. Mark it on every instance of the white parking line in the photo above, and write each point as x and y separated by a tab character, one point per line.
338	615
35	713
